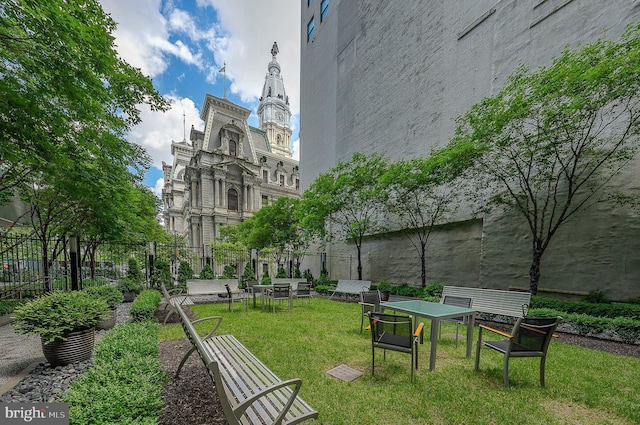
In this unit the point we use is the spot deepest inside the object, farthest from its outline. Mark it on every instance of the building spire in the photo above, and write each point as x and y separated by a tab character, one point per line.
184	127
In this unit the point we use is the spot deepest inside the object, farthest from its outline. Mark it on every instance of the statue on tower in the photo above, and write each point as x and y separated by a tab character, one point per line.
274	50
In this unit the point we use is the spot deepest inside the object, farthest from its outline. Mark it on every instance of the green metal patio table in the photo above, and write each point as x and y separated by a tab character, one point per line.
435	312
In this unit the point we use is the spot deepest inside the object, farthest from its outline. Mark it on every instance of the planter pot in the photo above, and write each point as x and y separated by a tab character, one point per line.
384	295
109	323
129	296
78	347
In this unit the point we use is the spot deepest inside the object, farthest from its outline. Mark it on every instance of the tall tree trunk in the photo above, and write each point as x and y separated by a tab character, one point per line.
534	271
359	262
423	260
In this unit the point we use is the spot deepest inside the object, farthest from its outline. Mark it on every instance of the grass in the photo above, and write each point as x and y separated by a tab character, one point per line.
583	386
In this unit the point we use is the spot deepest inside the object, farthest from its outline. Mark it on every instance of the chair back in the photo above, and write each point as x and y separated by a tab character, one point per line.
535	333
281	290
371	298
458	302
226	286
251	284
304	289
391	332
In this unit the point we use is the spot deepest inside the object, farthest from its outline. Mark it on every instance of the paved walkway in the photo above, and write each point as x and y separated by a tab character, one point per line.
18	355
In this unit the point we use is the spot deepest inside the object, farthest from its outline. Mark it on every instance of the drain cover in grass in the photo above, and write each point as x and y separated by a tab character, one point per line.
344	372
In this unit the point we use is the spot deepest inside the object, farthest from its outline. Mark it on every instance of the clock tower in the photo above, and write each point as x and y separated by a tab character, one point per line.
273	112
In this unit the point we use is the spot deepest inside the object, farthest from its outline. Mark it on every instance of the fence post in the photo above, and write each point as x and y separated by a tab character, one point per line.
152	253
73	258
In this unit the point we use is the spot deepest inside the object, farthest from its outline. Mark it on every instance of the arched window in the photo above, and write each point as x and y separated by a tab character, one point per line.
279	140
232	148
232	200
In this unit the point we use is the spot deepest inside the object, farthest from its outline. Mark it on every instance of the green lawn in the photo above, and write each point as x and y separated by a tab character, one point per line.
583	386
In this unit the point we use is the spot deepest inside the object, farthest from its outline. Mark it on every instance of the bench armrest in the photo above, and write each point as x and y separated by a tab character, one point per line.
215	328
418	330
242	407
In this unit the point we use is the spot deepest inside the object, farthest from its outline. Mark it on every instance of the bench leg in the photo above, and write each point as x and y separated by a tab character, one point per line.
184	359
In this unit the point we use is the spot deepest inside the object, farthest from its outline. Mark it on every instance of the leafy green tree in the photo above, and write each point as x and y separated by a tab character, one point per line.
550	142
346	202
184	272
421	194
67	102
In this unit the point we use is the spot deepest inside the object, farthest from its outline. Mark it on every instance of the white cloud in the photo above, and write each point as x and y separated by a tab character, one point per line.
251	32
157	129
157	188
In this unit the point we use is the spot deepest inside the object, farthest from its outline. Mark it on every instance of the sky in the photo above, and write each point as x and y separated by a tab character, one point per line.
182	44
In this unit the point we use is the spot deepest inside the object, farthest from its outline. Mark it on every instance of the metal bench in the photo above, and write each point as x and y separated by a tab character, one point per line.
492	301
351	287
249	392
171	300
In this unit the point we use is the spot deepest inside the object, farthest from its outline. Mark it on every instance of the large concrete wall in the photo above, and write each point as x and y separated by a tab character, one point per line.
392	76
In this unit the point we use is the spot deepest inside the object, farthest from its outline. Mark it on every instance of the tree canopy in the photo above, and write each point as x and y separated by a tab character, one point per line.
549	142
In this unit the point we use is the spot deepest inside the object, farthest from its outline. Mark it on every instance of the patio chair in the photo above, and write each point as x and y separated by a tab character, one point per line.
304	291
279	292
458	302
251	292
529	337
370	302
234	296
396	333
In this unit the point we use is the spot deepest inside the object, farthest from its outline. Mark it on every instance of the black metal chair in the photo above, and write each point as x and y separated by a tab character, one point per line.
396	333
281	292
370	302
236	296
458	302
304	291
530	337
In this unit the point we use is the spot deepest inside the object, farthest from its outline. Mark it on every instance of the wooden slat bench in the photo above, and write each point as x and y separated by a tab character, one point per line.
351	287
172	300
250	393
492	301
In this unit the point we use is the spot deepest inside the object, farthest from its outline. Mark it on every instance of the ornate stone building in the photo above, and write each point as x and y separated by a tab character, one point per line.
230	169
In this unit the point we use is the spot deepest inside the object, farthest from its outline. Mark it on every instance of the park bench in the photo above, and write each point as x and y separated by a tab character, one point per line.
492	301
211	286
351	287
249	392
171	300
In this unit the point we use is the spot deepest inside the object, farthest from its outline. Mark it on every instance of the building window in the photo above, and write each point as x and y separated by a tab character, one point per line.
297	184
265	200
232	148
265	176
310	29
281	180
278	140
324	9
232	200
309	2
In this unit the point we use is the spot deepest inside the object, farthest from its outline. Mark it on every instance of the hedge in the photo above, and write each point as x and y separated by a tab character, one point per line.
145	305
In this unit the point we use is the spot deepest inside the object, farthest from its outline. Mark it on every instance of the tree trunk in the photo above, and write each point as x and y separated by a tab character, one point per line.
423	260
359	263
534	271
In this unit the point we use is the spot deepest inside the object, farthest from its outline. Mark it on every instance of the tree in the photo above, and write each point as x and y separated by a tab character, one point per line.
346	202
420	195
67	99
550	142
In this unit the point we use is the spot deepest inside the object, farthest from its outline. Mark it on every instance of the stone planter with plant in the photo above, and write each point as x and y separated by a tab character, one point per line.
384	288
66	323
112	296
129	289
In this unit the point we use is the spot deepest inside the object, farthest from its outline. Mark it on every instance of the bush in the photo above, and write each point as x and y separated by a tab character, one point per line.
206	272
184	272
161	274
90	283
145	305
128	285
229	272
308	276
125	383
281	273
8	306
596	296
630	311
58	313
248	272
110	294
434	289
134	273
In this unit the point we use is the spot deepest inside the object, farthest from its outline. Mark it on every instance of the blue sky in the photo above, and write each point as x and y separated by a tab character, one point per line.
181	45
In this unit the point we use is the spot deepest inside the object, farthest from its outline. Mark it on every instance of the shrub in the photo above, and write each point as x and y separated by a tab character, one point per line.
58	313
308	276
145	305
89	283
161	274
384	286
134	273
281	273
129	285
630	311
125	383
206	272
229	272
110	294
8	306
184	272
434	289
596	296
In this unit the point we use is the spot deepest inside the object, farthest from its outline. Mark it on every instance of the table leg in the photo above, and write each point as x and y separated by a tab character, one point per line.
472	318
434	343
